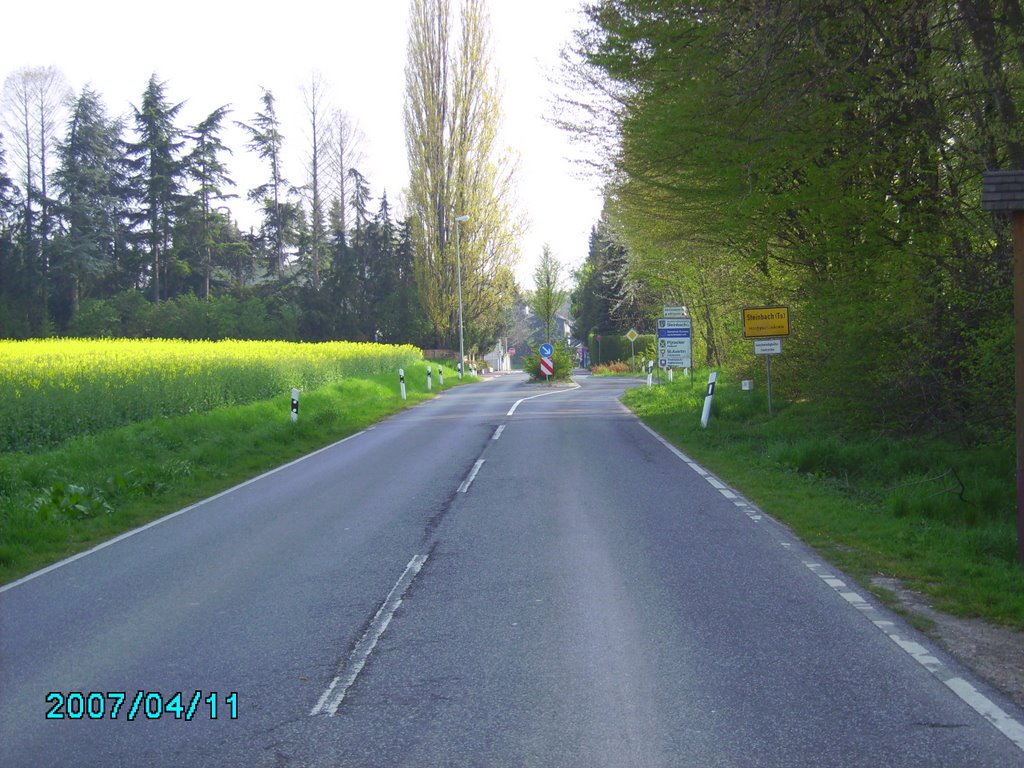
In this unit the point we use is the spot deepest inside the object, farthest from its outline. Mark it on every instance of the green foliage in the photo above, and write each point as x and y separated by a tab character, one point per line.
563	360
70	502
617	347
548	295
829	158
603	301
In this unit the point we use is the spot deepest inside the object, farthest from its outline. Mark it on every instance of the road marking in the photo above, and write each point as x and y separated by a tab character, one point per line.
472	476
331	699
172	515
534	397
970	695
498	431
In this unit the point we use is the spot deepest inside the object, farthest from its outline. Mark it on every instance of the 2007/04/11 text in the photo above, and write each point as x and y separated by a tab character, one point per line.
148	705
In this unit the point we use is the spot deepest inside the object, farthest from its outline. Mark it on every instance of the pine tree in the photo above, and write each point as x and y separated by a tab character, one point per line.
208	173
156	168
90	206
279	216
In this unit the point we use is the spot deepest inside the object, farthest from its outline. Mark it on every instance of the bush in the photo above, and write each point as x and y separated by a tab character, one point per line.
610	369
615	347
564	362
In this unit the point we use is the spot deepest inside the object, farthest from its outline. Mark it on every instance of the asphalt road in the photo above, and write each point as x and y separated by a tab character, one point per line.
472	585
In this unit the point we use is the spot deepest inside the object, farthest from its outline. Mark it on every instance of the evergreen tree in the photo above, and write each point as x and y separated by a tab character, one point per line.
280	217
10	205
342	281
156	168
206	170
91	206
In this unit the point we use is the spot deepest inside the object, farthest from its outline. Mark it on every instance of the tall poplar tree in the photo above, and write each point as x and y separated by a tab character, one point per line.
452	114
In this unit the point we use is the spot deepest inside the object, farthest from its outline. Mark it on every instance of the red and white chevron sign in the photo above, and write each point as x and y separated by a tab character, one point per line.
546	366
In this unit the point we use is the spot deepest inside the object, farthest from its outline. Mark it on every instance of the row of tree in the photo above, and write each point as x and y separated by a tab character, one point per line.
102	205
826	156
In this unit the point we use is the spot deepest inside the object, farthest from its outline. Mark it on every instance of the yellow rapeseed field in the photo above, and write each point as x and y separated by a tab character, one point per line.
54	389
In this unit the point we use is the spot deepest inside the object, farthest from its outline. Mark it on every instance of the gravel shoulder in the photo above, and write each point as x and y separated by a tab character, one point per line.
993	653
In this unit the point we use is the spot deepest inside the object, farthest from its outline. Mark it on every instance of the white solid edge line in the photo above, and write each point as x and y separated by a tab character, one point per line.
966	692
360	654
472	476
519	402
172	515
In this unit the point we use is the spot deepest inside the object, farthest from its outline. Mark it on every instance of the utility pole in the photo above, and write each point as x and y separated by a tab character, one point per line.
1003	192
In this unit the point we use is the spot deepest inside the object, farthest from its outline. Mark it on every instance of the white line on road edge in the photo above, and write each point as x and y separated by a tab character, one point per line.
172	515
472	476
330	701
498	431
714	482
534	397
970	695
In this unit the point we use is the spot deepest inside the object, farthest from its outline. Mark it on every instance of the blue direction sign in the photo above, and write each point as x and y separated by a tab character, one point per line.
674	342
672	328
546	350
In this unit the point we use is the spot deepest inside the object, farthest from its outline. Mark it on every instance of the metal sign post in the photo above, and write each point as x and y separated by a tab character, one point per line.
1003	192
632	335
768	348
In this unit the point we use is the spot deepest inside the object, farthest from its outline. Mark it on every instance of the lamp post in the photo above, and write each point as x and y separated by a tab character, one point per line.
458	280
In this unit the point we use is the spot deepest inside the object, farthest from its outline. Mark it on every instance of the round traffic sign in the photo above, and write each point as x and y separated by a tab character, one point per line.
546	350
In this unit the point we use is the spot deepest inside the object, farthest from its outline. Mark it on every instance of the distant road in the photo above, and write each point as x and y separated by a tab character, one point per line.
483	580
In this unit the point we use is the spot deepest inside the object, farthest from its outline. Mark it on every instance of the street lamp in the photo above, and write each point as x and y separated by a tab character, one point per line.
458	280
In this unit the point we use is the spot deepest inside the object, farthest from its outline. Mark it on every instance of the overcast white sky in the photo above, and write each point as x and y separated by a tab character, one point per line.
212	52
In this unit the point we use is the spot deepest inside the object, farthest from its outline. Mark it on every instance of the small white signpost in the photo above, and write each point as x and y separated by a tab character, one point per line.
767	346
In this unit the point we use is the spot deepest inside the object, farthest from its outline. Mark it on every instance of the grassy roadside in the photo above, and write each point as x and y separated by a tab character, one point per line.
58	502
935	515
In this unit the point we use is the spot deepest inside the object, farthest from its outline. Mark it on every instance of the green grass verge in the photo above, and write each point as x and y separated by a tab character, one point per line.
937	515
58	502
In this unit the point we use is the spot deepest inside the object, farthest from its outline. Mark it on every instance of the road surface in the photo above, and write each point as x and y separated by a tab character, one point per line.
483	580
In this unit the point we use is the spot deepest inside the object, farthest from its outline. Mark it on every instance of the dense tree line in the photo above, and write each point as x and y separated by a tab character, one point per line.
827	156
121	225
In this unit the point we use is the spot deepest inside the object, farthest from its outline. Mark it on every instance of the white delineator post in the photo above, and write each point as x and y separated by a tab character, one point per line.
401	382
430	383
295	405
706	415
440	375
